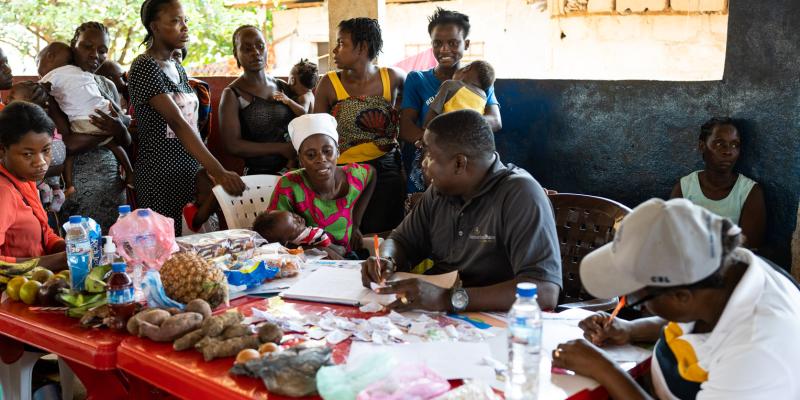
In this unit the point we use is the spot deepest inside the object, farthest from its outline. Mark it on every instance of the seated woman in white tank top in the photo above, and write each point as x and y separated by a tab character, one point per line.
719	188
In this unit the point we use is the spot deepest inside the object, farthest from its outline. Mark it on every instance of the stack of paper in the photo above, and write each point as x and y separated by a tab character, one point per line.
344	286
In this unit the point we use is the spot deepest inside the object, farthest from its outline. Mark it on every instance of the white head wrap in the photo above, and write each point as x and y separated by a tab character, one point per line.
312	124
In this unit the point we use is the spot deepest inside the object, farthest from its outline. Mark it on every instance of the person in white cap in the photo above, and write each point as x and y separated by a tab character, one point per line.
327	196
727	323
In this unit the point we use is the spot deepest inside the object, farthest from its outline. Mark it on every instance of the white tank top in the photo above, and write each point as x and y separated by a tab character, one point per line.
730	207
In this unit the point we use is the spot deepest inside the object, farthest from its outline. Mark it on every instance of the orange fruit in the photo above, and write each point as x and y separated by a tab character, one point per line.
13	287
28	291
246	355
268	347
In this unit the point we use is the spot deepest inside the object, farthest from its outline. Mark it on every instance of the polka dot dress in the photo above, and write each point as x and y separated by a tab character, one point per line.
164	170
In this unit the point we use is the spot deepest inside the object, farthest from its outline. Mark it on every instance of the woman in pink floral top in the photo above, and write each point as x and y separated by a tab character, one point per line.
328	196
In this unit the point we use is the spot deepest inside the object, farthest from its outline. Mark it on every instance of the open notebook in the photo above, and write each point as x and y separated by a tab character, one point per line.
343	286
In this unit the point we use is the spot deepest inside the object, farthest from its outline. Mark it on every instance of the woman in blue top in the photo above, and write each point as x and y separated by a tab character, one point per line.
719	188
448	31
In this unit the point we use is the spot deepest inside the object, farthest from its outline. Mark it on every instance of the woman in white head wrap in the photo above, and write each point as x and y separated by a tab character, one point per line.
326	195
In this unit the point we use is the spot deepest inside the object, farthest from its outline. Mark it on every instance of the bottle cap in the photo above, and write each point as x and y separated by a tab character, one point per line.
118	267
526	289
124	209
75	219
143	212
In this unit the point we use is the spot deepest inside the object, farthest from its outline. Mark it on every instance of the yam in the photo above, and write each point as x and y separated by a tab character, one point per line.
214	326
203	342
199	306
236	331
173	328
269	332
216	348
188	340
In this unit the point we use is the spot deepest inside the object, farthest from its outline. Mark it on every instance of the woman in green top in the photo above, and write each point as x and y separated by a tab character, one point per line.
326	195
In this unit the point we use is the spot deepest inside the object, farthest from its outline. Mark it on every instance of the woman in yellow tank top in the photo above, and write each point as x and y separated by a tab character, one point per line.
361	96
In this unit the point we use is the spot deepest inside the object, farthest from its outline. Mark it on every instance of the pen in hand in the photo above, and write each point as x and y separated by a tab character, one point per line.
614	313
378	257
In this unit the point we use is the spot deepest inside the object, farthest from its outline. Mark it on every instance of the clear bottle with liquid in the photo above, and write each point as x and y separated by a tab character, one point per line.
524	345
121	302
79	252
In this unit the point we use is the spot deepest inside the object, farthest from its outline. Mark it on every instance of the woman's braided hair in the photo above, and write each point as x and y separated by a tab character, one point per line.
85	27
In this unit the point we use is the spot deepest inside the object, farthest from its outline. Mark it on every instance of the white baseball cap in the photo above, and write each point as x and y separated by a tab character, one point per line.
307	125
660	243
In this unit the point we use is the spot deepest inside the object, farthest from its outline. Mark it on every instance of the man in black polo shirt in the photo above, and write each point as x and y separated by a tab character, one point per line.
491	222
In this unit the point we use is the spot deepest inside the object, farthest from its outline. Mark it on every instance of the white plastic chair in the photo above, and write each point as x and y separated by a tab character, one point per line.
16	378
240	212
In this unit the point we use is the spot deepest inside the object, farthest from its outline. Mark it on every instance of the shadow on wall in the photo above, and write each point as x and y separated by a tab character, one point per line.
632	140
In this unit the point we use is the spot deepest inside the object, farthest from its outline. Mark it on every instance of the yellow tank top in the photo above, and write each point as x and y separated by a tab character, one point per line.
367	125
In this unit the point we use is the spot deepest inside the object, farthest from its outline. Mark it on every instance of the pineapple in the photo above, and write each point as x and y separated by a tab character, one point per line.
187	276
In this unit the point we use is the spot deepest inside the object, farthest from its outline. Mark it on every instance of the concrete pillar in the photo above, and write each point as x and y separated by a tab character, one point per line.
339	10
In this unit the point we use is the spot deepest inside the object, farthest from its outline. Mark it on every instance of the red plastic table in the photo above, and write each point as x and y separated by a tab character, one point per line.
90	353
186	375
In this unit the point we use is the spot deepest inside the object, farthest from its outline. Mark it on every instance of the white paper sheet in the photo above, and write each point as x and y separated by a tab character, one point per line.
451	360
335	285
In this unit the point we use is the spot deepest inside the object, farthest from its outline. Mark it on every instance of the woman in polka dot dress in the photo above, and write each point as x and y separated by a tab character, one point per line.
170	148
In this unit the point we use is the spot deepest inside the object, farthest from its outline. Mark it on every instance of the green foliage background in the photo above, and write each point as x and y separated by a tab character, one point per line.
29	25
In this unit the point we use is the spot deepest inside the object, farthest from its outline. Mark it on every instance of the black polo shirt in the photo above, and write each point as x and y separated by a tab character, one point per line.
507	230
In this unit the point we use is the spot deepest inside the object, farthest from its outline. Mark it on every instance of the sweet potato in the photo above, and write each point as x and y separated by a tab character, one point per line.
154	316
173	328
199	306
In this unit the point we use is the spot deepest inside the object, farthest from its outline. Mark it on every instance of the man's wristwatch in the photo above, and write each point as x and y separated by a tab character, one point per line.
390	268
459	299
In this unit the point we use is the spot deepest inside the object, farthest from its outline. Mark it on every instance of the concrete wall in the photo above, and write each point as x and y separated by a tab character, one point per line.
523	41
632	140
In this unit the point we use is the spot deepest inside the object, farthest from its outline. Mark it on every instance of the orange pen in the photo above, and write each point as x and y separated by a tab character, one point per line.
377	252
616	311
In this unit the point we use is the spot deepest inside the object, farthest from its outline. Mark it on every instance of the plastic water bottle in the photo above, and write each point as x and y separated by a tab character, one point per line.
120	295
144	246
124	210
79	252
524	345
95	239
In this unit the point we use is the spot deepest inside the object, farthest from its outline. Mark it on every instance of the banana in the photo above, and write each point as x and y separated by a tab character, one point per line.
95	281
74	300
77	312
14	269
